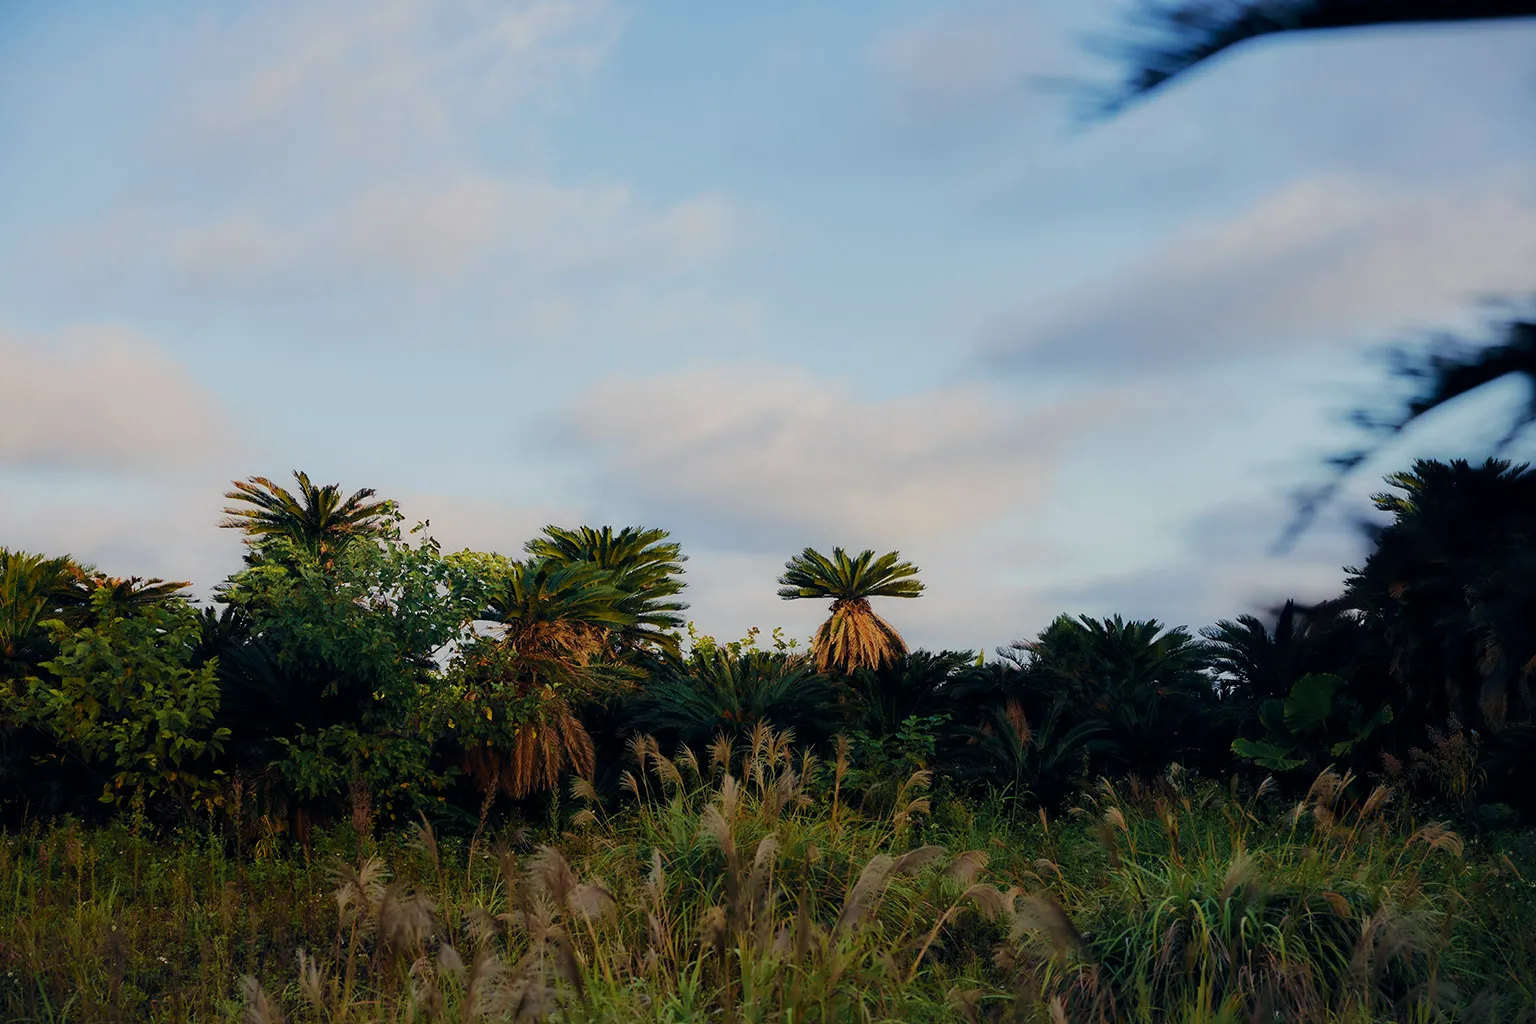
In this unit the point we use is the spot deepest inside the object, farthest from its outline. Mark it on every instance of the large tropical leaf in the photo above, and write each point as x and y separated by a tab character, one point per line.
1310	703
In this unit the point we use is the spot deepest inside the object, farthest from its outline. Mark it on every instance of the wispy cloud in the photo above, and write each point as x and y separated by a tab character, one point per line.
1320	261
769	455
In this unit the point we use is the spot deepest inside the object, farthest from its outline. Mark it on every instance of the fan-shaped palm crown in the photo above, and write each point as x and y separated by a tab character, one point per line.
644	567
317	519
853	637
551	610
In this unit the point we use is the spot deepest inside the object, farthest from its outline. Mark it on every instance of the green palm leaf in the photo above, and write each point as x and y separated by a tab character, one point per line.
316	519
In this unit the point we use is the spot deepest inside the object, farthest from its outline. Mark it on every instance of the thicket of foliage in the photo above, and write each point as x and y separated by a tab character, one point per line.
1288	831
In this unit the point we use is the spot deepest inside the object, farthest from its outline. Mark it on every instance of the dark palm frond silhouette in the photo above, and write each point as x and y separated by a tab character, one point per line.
1176	37
1450	369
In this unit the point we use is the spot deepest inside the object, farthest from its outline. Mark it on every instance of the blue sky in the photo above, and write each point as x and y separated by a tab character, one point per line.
765	275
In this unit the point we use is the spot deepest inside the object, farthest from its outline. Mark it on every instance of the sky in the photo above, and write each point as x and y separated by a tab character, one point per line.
766	276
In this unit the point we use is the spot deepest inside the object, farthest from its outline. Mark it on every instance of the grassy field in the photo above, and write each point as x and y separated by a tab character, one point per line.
753	885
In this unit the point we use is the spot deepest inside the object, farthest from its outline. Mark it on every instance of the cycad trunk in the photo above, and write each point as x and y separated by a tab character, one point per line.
854	637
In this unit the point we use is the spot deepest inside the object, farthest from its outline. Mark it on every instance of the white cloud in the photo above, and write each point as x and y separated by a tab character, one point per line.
768	455
103	397
979	59
1320	261
378	162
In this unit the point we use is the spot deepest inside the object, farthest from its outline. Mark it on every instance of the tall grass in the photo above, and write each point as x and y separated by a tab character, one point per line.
748	883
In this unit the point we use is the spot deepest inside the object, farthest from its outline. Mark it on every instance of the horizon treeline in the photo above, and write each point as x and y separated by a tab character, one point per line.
352	669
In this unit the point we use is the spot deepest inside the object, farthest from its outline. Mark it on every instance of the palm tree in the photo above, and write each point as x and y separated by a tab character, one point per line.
722	691
644	568
33	590
1449	589
1143	681
317	519
853	637
553	623
1187	33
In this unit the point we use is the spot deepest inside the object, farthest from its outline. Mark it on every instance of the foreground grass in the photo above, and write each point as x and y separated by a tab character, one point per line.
751	887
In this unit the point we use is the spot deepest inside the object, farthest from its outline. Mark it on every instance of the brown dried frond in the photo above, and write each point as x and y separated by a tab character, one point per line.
1326	789
656	881
854	637
259	1007
730	797
965	1003
712	927
808	763
449	962
1013	711
484	926
844	747
424	838
965	866
1339	904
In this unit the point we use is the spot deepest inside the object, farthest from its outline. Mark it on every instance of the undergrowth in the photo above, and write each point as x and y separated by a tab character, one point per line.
750	884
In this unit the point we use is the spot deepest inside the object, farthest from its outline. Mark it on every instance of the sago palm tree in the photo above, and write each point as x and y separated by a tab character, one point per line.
853	637
552	627
719	691
318	519
33	590
644	567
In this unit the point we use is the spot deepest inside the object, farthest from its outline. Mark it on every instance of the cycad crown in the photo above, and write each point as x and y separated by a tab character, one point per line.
854	637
